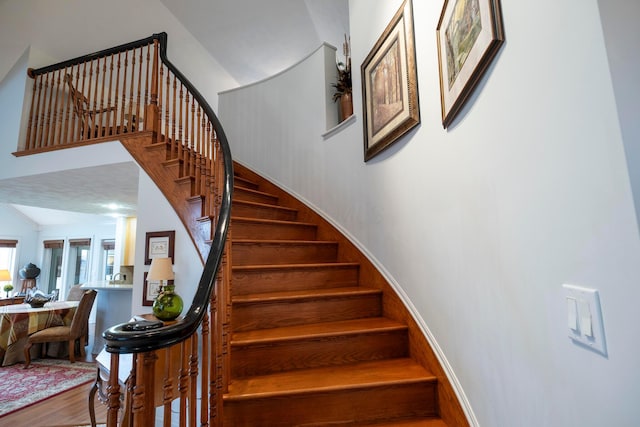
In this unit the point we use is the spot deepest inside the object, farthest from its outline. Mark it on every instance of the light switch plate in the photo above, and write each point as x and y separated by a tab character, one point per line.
590	330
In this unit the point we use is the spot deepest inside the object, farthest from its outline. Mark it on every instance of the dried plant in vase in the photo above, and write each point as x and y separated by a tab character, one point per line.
343	84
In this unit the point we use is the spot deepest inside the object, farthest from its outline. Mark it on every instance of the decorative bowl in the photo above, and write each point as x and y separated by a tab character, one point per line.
37	302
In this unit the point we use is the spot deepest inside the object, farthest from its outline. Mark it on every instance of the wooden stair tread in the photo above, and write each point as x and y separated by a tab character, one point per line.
253	191
424	422
317	330
271	221
310	266
283	242
379	373
262	205
303	294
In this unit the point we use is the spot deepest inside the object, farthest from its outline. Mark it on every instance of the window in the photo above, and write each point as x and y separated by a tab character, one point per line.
53	263
8	256
108	255
78	272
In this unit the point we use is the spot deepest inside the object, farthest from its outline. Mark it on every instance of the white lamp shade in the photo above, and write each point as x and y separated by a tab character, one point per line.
161	269
5	276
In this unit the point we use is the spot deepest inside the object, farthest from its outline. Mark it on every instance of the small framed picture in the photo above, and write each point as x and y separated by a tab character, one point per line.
469	35
159	244
150	290
390	85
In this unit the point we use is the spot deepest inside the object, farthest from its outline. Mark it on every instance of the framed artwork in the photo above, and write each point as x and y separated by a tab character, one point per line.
150	290
159	244
390	85
469	34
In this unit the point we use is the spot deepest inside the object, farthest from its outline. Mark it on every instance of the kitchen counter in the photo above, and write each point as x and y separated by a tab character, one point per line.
112	307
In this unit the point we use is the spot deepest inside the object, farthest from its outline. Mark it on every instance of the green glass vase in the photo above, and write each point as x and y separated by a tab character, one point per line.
168	304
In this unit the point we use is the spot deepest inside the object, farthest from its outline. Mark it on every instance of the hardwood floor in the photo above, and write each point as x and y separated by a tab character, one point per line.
66	409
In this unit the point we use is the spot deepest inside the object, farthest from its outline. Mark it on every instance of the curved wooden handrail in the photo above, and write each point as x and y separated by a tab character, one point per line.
117	338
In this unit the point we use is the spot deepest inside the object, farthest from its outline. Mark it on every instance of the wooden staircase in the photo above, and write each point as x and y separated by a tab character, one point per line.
302	329
318	338
311	344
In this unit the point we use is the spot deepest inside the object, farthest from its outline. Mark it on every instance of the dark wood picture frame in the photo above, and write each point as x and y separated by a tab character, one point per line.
390	85
468	40
159	244
148	296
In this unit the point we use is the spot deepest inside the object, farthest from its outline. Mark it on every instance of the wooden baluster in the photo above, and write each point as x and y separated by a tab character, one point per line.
124	91
192	145
120	110
187	136
183	384
131	90
162	111
68	106
180	140
110	115
207	167
174	120
28	142
49	96
113	392
93	99
85	118
205	382
143	406
56	112
74	117
167	387
41	111
151	100
103	114
198	144
138	92
193	382
166	104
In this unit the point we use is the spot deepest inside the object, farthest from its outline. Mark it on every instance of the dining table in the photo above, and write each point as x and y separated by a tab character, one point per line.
18	321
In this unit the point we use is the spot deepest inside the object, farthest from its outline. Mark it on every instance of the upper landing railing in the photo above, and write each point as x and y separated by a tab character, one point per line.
122	92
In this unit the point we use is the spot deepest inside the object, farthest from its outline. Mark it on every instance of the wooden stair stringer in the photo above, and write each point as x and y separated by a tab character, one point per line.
449	408
154	163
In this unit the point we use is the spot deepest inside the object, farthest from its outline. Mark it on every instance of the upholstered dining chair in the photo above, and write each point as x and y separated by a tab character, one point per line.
72	334
75	293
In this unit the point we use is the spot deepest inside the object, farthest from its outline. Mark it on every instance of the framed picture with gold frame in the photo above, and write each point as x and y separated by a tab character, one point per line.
390	85
469	34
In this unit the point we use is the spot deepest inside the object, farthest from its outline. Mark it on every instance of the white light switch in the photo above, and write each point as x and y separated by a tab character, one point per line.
585	317
572	311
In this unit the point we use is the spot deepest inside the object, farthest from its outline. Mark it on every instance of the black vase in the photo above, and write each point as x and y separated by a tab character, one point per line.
29	271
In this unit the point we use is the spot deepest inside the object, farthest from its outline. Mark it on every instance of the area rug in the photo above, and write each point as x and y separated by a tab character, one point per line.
43	379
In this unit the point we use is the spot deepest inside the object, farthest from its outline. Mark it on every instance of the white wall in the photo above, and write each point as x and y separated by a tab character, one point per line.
16	226
156	214
479	226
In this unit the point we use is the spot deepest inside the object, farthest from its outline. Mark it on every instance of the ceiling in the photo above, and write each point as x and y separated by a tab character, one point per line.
68	196
251	39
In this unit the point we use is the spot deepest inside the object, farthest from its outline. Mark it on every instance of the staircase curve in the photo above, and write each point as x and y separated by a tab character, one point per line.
301	329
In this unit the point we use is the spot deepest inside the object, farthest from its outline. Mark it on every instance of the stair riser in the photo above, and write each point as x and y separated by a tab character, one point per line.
327	351
282	253
240	193
242	182
262	231
263	212
336	406
250	316
270	280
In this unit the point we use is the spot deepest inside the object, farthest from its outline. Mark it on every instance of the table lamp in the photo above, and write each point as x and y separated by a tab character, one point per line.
5	276
168	304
